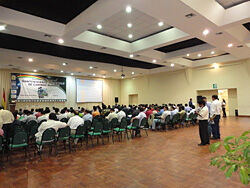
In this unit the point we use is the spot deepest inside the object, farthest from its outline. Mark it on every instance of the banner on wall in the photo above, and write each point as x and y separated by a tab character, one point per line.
37	88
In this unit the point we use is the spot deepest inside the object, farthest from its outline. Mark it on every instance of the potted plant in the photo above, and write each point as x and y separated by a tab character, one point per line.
237	156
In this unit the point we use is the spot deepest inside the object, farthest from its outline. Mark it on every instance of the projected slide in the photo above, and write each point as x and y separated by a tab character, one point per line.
89	90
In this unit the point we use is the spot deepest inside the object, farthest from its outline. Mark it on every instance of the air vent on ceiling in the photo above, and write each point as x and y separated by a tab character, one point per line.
95	67
240	46
219	33
137	55
19	57
103	48
190	15
51	69
47	35
10	65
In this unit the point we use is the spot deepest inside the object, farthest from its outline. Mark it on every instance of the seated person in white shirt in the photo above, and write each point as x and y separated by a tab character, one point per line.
121	114
87	115
140	116
161	118
187	108
42	117
173	112
74	122
62	115
30	117
111	115
51	123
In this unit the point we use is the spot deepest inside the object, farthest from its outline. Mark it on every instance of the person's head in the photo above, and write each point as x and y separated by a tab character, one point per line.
43	112
214	97
63	111
82	109
15	114
52	116
56	110
47	110
1	108
201	103
190	99
76	112
165	108
223	100
94	108
112	110
172	108
141	109
186	105
32	110
204	99
20	110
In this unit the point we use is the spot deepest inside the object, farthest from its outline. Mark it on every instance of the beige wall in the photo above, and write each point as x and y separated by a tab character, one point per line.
232	101
178	87
111	89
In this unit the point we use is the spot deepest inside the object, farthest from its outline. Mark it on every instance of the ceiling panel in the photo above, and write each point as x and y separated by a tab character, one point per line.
181	45
55	10
230	3
29	45
143	25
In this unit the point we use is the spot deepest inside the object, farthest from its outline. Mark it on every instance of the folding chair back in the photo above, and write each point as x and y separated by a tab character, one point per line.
63	133
48	136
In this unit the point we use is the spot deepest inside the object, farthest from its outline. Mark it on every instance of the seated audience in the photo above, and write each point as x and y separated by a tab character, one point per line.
30	117
182	111
187	108
74	122
62	115
87	116
162	118
6	118
42	117
121	114
95	112
111	115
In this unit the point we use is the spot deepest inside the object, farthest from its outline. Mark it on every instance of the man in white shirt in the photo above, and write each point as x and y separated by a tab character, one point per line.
75	121
215	110
162	118
203	116
111	115
6	117
62	115
51	123
121	114
42	117
140	116
30	117
173	112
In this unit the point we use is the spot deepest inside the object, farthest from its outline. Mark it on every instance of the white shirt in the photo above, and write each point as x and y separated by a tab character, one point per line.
75	121
120	115
6	117
87	117
111	116
215	108
61	116
39	119
31	117
165	114
203	113
49	124
140	116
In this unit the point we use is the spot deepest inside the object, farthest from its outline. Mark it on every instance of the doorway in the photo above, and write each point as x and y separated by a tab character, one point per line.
133	99
230	96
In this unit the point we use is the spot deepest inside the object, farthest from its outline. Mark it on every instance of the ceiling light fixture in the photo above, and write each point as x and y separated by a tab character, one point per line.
72	74
131	55
90	67
35	70
133	73
61	71
154	61
94	74
60	41
130	36
99	26
212	52
199	55
205	32
172	65
115	70
160	24
104	76
64	64
128	9
30	60
230	45
129	25
188	55
215	65
2	27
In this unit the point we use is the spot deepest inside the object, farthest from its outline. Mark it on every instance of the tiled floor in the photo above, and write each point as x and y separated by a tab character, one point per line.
163	159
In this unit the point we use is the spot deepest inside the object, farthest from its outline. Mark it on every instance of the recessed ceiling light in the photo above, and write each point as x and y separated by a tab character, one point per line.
130	36
61	71
188	55
131	55
93	74
35	70
30	59
205	32
172	65
2	27
199	55
154	61
115	70
133	73
104	76
60	41
215	65
72	74
160	24
122	77
230	45
212	52
64	64
99	26
128	9
129	25
90	67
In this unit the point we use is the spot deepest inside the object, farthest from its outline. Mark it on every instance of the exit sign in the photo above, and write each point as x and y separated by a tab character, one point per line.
214	86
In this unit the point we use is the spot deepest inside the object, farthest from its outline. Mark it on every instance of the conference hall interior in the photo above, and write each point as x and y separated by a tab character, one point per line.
125	93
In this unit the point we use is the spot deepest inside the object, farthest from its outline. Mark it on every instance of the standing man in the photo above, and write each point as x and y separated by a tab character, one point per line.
190	102
203	123
215	116
208	105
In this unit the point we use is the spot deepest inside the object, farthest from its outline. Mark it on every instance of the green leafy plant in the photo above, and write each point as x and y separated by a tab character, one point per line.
237	156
